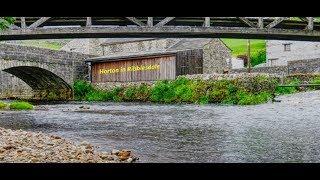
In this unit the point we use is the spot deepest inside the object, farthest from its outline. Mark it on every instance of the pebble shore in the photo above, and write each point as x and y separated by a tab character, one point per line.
18	146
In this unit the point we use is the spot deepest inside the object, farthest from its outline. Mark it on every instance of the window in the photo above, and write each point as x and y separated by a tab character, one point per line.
273	62
287	47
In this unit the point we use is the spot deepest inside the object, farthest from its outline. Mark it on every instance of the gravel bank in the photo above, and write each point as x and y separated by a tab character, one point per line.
29	147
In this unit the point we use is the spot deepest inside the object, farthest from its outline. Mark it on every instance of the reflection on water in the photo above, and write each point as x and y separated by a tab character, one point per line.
280	132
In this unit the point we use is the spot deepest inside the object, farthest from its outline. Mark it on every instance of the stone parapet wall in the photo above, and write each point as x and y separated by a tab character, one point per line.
226	76
66	65
279	70
304	66
293	67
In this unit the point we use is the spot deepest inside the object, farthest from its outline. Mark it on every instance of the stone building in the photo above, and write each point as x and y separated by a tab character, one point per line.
215	53
279	53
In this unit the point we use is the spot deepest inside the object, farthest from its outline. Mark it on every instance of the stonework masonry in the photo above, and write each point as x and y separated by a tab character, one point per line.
215	55
293	67
66	65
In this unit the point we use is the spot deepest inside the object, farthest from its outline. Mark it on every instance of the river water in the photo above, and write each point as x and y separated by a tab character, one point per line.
286	131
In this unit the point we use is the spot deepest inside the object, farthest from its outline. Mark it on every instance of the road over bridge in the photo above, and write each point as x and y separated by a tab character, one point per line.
290	28
47	72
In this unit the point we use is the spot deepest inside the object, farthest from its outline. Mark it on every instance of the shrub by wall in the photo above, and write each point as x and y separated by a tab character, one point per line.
240	90
3	105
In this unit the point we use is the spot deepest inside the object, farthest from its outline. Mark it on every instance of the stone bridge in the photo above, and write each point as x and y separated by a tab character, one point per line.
39	73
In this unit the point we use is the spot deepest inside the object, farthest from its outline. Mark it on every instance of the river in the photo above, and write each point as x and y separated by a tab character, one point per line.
286	131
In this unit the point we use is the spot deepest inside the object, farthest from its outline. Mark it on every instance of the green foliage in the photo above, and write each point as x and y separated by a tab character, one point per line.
20	105
257	83
239	46
182	90
130	93
43	44
258	57
96	95
184	93
315	80
199	91
246	98
239	49
116	94
163	92
231	97
288	90
3	105
143	93
81	89
5	22
52	96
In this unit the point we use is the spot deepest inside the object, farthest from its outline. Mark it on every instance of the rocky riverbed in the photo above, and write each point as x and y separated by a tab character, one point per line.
287	130
17	146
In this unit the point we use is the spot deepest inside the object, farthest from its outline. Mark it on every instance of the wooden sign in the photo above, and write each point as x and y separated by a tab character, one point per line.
146	69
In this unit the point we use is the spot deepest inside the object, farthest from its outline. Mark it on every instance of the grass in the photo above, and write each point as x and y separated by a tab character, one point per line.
43	44
288	90
3	105
257	49
239	46
20	105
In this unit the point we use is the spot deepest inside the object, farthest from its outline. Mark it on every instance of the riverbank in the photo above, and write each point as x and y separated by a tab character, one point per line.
186	133
18	146
236	89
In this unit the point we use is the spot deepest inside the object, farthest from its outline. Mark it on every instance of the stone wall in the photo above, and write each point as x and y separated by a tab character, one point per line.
215	55
299	50
279	70
138	46
304	66
301	66
67	65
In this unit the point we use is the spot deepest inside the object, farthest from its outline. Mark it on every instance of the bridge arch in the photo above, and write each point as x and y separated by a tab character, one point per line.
41	73
44	83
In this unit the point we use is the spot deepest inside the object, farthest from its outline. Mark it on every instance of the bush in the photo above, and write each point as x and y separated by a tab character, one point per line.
52	96
184	93
231	97
246	98
315	80
163	92
288	90
199	91
143	93
3	105
20	105
218	91
257	83
183	90
96	95
81	89
130	93
258	57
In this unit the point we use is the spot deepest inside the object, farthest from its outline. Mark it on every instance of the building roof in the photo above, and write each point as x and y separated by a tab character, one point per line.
179	44
108	41
190	43
126	56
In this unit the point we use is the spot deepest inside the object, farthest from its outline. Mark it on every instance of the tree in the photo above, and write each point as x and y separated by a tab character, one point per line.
5	22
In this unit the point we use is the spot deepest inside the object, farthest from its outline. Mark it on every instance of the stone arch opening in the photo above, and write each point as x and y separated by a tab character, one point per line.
45	84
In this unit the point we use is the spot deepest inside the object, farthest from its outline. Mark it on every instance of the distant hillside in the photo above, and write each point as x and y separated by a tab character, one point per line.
48	44
257	48
239	46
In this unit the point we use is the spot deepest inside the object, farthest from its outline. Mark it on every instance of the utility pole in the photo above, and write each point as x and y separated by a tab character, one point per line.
248	56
